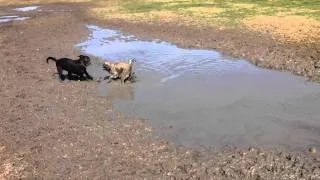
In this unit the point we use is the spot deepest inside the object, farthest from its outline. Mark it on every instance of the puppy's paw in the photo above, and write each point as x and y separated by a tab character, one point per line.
107	77
99	79
109	81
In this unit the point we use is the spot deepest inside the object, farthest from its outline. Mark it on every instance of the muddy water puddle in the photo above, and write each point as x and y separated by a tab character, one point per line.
203	98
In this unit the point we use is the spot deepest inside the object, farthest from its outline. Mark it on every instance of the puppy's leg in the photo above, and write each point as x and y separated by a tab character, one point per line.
109	81
113	76
123	79
87	74
59	69
133	77
125	76
70	75
82	78
106	77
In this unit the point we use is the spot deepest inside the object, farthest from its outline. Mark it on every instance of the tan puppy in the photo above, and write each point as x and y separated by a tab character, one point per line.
122	70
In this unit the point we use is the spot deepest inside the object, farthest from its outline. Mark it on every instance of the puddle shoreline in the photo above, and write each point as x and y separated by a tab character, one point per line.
207	98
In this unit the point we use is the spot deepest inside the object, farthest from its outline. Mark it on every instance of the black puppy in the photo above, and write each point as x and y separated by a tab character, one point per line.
77	67
84	60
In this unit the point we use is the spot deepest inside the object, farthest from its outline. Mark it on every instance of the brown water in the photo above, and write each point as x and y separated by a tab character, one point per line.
206	98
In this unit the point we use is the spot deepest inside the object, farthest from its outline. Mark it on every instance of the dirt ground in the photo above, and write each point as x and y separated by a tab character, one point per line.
54	130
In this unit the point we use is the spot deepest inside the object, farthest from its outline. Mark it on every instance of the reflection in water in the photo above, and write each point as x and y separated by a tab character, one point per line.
12	18
116	91
209	99
28	8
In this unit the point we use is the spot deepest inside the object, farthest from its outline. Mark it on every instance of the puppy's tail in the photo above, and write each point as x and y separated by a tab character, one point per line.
51	58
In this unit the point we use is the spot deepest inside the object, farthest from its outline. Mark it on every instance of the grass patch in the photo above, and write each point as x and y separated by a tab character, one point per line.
288	20
222	12
230	13
30	2
225	13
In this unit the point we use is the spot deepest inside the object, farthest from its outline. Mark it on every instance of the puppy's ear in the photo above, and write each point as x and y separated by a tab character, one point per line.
133	60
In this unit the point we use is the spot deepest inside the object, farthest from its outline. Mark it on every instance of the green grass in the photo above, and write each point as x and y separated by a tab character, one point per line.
230	14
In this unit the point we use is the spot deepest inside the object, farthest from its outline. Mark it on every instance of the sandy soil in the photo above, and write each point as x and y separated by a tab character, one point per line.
53	130
287	28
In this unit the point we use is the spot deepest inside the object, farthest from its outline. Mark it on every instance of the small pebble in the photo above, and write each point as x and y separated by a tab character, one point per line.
312	150
169	174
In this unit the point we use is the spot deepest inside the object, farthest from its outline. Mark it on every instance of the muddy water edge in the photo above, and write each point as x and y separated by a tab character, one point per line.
58	130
